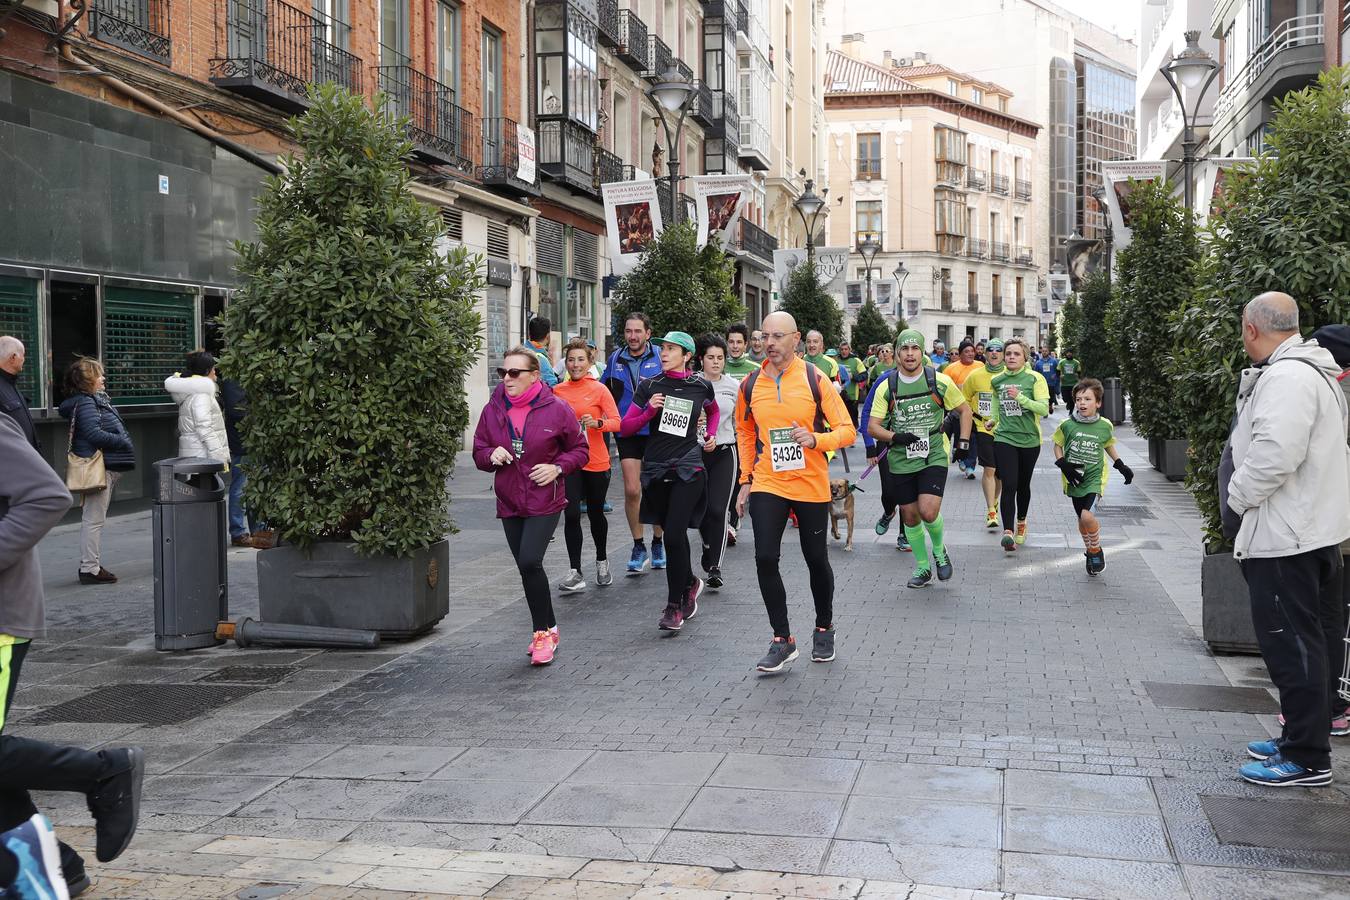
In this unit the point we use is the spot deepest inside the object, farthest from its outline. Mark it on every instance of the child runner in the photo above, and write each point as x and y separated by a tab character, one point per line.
1082	443
1021	398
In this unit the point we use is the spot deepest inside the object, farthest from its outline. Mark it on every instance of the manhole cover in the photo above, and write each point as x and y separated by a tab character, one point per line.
149	704
248	675
1211	697
1278	824
1132	512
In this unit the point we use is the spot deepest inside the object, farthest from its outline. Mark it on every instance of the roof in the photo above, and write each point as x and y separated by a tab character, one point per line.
844	73
930	69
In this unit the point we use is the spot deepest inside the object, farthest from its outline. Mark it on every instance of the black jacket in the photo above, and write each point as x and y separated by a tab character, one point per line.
99	427
234	404
15	405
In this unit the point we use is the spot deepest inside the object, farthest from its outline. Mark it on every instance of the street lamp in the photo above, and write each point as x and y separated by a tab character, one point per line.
1193	68
869	249
671	95
1099	194
809	206
901	274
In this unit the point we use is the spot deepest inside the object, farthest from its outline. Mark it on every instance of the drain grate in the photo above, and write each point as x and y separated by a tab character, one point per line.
248	675
1211	697
1278	824
148	704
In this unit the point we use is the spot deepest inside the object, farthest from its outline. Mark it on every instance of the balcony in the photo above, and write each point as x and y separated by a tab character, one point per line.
683	68
755	145
703	111
1022	256
743	19
609	168
998	251
975	179
999	184
757	242
499	165
1021	306
998	306
945	300
607	23
140	26
1022	189
567	154
659	58
973	303
1280	52
976	249
440	131
271	52
632	47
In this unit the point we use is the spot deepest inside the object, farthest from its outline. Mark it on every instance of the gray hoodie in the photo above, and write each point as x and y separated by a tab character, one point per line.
32	500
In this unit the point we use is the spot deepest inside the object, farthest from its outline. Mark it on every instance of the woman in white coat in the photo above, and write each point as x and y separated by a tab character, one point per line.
201	425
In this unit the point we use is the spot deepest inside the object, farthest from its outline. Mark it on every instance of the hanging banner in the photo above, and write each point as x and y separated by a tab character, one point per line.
1118	176
1214	174
525	154
831	267
883	294
718	200
632	221
853	293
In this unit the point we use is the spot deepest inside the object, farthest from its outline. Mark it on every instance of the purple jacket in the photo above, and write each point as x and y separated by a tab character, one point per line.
551	436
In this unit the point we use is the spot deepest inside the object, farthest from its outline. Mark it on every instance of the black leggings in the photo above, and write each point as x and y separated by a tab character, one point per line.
1015	467
590	487
528	539
723	469
770	513
889	500
674	503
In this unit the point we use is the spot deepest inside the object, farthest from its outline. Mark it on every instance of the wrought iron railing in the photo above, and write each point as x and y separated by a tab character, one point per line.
607	22
632	47
608	167
998	184
975	179
266	46
499	162
756	241
141	26
567	152
972	302
1295	32
702	108
1022	189
730	116
976	249
658	57
436	125
1023	256
1021	306
999	251
742	19
998	305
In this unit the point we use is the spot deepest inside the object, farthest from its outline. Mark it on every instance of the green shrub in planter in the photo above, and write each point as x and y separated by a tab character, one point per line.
870	328
805	299
1068	331
352	335
1093	347
680	285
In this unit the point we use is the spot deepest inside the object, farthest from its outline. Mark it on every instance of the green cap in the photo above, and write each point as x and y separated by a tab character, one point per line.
679	338
910	337
831	352
994	344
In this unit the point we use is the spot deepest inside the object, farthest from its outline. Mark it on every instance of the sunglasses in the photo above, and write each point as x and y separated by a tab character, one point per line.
511	373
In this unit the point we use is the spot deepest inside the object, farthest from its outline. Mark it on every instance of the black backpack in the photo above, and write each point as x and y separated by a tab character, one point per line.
930	375
812	379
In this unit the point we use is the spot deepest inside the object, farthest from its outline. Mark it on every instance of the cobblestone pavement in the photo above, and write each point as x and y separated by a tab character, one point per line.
994	733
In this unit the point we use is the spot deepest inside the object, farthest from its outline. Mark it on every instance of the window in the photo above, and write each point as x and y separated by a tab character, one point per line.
1018	290
953	87
19	318
1002	104
492	73
950	212
867	220
146	333
994	233
790	126
564	38
949	145
869	156
998	288
394	35
448	42
550	297
1017	230
74	329
995	334
580	308
977	95
623	127
332	16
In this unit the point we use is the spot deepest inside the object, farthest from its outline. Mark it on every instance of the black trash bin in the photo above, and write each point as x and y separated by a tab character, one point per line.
190	530
1113	401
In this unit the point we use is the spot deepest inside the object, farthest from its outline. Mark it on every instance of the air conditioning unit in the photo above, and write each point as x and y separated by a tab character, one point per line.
902	62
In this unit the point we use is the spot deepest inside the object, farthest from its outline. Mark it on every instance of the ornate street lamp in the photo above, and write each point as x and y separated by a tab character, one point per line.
901	274
869	249
671	96
1099	194
809	206
1193	68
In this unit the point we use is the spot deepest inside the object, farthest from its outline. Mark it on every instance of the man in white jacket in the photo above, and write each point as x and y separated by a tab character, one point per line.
1291	486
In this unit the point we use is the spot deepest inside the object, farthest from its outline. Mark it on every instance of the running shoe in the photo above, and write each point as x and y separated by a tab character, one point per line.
602	576
690	607
1008	541
607	507
884	523
573	582
1263	750
970	474
1280	772
115	803
731	536
991	518
585	507
638	561
1096	561
1087	561
902	542
541	651
944	564
714	579
672	619
822	645
658	554
1021	536
33	845
552	635
780	653
1340	725
920	579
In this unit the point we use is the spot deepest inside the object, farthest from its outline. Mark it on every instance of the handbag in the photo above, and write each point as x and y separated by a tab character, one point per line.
84	475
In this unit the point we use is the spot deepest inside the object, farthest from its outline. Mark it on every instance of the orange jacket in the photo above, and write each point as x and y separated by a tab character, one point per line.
959	371
781	403
590	396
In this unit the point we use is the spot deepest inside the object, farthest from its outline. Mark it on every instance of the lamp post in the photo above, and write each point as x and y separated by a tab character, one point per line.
809	206
901	274
1099	194
868	250
671	95
1192	68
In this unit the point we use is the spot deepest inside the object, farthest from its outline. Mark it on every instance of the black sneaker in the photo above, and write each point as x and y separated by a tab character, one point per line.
1097	561
884	523
780	654
822	645
714	579
944	564
690	607
116	804
920	579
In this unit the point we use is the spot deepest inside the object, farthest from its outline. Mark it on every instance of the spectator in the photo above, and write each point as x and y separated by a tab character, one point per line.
12	403
201	424
234	406
540	331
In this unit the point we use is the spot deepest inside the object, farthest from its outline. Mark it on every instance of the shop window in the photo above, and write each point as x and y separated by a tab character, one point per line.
19	318
146	335
213	321
74	329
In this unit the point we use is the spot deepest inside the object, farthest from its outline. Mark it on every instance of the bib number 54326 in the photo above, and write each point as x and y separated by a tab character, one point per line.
786	455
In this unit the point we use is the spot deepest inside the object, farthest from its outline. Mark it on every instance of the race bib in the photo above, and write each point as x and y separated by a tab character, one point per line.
917	450
675	416
986	405
517	447
786	455
1011	407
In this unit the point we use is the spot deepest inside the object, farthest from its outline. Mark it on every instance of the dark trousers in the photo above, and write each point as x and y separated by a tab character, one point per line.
1015	466
1066	393
852	406
723	468
590	487
676	503
889	500
528	539
1298	613
770	513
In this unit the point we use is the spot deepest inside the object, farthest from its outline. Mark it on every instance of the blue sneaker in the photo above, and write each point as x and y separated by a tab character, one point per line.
34	847
608	507
585	507
638	561
658	554
884	523
1280	772
1263	749
902	542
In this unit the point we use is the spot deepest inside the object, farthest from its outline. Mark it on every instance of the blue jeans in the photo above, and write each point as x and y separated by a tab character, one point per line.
238	515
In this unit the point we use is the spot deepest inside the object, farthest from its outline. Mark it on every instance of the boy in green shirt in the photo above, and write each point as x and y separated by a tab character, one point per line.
1082	443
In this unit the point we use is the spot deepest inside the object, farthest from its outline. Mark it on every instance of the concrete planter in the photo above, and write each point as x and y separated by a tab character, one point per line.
1226	606
1172	459
334	586
1154	452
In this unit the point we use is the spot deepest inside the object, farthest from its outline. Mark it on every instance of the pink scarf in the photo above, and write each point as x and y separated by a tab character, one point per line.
519	407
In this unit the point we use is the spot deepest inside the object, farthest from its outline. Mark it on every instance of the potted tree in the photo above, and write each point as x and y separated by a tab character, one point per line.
352	336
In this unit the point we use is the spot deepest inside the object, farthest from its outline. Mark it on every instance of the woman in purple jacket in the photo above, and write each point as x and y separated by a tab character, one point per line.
530	440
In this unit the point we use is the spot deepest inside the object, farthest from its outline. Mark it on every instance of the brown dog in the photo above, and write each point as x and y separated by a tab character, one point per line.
841	507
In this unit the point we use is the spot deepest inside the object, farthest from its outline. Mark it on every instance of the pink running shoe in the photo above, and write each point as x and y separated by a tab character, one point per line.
553	632
1340	726
541	651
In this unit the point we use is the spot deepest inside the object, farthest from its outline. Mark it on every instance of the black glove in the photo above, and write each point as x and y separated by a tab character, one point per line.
905	438
962	447
1072	474
1126	472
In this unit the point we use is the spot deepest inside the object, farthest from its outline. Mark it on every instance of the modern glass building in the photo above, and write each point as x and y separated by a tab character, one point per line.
1107	130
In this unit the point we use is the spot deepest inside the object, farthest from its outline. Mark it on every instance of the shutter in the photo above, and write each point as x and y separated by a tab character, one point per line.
498	241
548	246
19	318
454	223
585	256
146	334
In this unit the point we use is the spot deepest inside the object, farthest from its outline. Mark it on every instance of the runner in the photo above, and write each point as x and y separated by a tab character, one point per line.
719	459
816	356
938	358
739	364
586	488
626	368
857	379
781	419
979	391
1048	365
907	412
1068	369
885	362
1082	443
876	453
1022	398
674	482
757	342
958	370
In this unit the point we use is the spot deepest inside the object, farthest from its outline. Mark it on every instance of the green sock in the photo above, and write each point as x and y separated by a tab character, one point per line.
934	529
917	543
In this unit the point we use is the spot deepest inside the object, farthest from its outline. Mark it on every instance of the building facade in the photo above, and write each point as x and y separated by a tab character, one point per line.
1162	33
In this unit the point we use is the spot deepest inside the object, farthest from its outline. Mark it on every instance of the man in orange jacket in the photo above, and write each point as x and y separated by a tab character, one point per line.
781	427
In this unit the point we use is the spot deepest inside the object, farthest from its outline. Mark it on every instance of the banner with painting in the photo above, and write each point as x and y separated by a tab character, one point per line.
718	200
1214	175
632	221
1122	178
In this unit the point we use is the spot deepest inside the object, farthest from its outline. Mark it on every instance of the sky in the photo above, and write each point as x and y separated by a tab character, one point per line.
1120	16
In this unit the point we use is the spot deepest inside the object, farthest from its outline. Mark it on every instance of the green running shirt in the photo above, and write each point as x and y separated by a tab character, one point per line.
1018	421
1085	445
915	411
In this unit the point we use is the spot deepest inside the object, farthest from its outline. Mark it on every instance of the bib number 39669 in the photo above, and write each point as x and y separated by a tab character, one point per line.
786	454
675	415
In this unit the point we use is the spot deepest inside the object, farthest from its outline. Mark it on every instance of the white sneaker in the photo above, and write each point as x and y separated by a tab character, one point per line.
573	582
602	576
